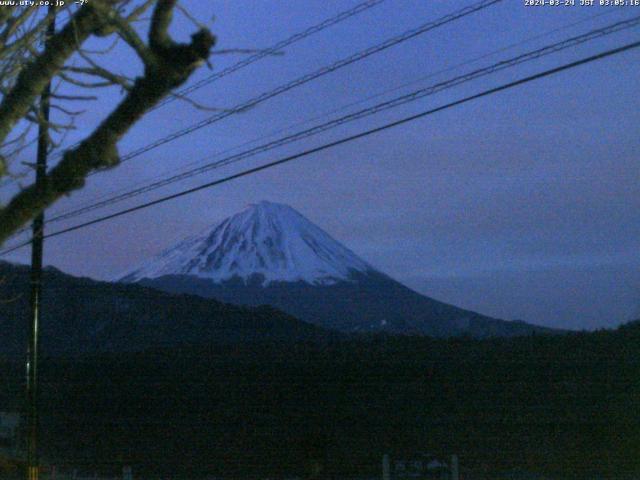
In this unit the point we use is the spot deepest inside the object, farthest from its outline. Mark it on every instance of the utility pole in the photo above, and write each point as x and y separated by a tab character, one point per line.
33	467
386	467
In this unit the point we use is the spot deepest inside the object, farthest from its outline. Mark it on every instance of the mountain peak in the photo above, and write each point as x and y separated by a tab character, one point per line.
268	241
266	204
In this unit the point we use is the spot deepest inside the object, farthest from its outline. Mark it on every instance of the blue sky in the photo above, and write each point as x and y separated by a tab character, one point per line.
521	205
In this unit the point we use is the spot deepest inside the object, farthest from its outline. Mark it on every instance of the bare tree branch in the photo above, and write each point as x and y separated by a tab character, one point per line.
139	11
33	78
111	79
196	104
80	98
129	35
167	65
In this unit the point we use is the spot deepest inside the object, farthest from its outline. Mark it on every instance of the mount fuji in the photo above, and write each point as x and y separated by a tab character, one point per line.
266	243
269	254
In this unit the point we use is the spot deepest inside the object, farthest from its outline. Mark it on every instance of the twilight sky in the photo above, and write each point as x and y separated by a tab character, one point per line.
524	204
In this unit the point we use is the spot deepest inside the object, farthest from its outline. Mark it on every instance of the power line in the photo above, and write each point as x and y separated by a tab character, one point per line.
467	62
113	195
273	49
403	37
263	53
398	101
341	141
407	35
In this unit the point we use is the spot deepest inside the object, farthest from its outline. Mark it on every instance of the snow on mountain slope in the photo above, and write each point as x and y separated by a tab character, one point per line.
267	239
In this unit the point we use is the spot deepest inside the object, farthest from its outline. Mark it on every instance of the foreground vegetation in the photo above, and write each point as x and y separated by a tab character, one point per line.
562	405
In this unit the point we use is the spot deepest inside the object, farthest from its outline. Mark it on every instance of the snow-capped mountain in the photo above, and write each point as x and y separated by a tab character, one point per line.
267	241
269	254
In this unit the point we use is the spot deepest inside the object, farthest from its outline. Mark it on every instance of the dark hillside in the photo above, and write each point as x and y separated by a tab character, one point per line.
562	405
81	316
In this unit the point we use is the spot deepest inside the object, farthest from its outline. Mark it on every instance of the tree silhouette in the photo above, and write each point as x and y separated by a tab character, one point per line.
28	64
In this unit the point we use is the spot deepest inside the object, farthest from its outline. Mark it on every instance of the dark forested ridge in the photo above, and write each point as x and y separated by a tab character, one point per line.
81	316
564	405
372	302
